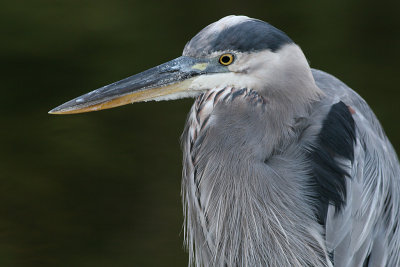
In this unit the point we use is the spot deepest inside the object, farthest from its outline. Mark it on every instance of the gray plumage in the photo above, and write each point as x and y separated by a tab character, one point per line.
283	165
246	182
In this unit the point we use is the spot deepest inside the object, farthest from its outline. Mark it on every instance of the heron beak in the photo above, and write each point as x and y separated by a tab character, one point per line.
167	81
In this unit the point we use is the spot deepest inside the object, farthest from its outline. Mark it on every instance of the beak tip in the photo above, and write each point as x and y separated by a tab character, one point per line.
65	108
57	110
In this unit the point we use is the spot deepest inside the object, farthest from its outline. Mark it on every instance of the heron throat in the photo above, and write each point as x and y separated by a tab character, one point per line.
232	190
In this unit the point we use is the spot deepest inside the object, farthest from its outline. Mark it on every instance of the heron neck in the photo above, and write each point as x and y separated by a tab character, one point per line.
240	196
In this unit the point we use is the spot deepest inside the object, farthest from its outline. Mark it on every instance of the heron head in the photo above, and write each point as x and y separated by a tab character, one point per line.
235	51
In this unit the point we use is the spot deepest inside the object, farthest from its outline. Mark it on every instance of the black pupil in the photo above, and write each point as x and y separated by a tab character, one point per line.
225	59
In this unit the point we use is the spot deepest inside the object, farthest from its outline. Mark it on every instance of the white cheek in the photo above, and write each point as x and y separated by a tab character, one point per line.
237	80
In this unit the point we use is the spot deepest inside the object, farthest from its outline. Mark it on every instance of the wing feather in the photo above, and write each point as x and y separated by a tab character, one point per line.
364	232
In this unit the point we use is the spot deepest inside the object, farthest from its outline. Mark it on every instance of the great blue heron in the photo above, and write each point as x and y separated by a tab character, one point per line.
284	165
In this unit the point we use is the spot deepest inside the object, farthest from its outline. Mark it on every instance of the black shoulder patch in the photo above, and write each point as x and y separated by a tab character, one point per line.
335	140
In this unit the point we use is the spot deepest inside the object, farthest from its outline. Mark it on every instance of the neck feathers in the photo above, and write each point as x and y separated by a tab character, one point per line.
240	208
289	82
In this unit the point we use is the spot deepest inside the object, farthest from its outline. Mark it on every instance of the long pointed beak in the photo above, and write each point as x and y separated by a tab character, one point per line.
166	81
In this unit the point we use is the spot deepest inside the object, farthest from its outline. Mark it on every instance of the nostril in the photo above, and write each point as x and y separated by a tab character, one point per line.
169	71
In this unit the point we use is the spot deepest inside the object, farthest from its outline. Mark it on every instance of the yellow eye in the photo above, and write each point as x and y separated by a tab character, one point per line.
226	59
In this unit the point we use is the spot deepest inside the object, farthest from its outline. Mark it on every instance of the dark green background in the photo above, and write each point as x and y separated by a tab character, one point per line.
103	189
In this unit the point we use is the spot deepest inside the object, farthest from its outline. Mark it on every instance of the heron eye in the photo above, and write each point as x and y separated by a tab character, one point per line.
226	59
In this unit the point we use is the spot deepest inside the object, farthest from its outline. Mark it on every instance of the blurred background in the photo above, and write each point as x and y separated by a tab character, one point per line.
103	188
